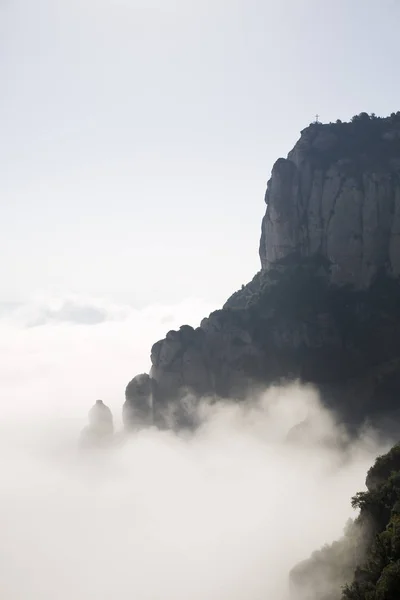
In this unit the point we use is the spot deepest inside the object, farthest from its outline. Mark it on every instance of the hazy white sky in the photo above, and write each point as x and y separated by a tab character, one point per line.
138	135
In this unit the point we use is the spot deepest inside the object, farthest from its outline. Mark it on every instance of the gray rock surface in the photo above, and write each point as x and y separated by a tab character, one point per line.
138	407
337	201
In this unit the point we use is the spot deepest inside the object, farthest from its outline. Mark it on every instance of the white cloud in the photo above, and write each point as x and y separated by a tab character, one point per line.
223	514
50	359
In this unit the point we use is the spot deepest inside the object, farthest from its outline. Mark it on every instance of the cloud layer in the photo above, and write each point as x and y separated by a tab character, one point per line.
222	514
59	355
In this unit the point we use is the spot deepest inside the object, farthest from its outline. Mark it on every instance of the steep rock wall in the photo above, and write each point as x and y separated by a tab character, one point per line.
338	195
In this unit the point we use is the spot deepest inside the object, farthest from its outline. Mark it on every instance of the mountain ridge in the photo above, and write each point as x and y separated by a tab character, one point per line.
324	308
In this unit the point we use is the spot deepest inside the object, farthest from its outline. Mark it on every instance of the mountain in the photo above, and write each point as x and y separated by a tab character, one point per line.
338	195
325	306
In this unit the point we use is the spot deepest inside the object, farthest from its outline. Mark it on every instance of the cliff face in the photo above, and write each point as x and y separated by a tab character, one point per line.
325	306
338	194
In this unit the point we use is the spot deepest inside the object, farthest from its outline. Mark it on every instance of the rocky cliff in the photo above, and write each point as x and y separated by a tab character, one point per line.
325	306
338	194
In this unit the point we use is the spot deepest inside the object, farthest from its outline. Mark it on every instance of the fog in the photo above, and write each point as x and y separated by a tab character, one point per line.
223	513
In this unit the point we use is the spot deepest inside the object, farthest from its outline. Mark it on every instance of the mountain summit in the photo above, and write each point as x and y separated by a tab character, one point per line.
338	195
325	306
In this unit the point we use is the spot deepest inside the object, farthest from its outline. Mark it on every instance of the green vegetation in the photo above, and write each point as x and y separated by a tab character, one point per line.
367	141
365	563
298	291
378	577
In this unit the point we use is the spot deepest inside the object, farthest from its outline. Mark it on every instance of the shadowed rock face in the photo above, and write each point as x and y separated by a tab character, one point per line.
138	407
325	307
100	430
297	327
210	360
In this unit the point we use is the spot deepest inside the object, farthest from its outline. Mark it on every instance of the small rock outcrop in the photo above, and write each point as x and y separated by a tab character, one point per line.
138	407
100	430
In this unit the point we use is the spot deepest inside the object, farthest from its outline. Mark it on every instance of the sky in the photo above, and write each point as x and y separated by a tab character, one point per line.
138	135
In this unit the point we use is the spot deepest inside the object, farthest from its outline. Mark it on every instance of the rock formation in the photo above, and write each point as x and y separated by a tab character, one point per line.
325	306
338	194
138	407
100	430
